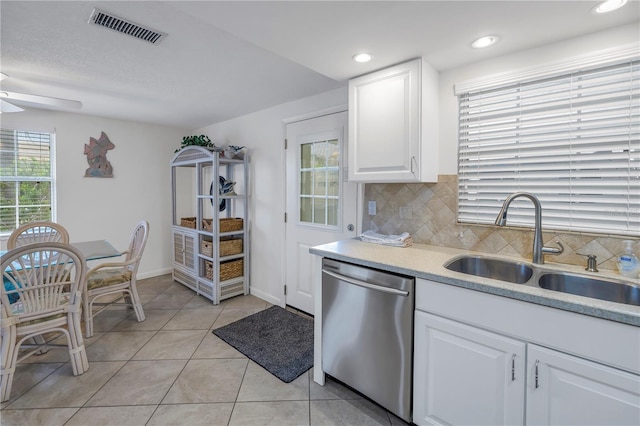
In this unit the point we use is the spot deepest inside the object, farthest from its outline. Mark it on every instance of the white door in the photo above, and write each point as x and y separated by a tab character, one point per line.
321	206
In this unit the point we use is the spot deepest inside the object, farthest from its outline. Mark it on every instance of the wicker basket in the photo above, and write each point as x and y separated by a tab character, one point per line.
206	248
188	222
226	224
228	270
231	224
230	247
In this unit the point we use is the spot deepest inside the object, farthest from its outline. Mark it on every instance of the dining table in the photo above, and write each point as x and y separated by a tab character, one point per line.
97	249
91	250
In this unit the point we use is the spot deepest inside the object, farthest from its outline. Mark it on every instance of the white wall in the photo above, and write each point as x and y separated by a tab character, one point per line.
97	208
263	134
529	58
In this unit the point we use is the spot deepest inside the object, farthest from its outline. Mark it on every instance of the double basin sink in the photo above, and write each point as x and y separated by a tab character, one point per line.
535	275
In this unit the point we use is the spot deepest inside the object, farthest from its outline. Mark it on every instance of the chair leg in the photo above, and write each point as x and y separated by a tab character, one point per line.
8	361
77	351
88	316
137	304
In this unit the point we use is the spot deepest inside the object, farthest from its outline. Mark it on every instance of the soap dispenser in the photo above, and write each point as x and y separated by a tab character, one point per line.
628	262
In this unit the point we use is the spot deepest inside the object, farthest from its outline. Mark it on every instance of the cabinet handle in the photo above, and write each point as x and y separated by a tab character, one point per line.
513	367
413	159
536	379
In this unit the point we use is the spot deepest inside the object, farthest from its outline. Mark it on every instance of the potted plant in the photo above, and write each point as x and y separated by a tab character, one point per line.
202	140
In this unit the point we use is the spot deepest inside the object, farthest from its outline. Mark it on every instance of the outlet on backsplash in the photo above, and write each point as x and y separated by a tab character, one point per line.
372	208
428	212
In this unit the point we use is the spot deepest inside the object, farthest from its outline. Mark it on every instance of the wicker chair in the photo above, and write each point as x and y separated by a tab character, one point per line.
49	301
37	232
116	278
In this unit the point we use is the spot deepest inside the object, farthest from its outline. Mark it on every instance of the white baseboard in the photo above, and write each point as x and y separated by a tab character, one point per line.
156	273
267	297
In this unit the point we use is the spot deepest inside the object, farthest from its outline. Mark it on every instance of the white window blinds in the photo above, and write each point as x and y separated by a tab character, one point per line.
572	140
27	178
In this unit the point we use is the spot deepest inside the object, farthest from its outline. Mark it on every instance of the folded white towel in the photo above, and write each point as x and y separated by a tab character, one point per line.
402	240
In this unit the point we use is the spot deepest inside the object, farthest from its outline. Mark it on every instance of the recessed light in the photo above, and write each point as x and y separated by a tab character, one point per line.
609	6
484	42
362	57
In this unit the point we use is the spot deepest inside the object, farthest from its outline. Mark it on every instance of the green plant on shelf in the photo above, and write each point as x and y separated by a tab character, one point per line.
202	140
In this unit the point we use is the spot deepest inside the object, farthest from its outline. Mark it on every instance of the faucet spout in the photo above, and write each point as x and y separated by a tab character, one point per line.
538	248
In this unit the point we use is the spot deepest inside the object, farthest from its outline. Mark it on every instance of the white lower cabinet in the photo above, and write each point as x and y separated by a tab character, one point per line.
481	359
466	376
567	390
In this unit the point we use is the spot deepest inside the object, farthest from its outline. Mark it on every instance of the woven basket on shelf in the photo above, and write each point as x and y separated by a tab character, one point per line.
206	248
228	270
226	224
188	222
228	247
231	224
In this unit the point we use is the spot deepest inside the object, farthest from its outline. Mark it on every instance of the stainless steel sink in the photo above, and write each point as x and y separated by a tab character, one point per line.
590	287
488	267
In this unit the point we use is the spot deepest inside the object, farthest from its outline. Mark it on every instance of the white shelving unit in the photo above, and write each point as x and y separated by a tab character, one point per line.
210	243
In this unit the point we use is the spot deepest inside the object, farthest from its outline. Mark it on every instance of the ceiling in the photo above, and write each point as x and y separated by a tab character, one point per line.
225	59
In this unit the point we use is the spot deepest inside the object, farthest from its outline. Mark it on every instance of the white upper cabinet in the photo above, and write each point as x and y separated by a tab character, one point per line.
393	124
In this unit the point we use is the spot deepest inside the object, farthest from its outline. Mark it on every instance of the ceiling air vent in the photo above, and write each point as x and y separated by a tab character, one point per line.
107	20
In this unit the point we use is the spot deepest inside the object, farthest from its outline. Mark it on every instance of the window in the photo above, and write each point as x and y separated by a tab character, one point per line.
27	178
572	139
319	182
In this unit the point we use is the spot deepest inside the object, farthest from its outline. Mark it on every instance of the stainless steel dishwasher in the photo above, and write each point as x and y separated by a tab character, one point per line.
367	332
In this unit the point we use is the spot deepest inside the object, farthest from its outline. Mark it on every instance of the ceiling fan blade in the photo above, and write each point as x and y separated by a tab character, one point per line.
7	107
41	100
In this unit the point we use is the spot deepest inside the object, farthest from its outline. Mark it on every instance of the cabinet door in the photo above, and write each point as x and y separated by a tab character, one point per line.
466	376
178	248
566	390
184	249
384	125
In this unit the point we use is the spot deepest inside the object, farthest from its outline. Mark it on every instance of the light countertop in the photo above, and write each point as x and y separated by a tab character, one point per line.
426	261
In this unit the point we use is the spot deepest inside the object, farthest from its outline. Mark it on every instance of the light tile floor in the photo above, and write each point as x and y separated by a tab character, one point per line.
172	370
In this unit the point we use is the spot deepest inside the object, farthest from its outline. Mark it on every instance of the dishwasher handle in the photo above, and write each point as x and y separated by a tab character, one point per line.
364	284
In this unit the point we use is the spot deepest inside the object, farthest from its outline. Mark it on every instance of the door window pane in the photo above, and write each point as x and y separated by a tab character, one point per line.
306	183
332	211
319	211
306	209
333	182
320	180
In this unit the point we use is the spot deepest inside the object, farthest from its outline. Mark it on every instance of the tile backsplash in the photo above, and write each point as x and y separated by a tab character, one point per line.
428	212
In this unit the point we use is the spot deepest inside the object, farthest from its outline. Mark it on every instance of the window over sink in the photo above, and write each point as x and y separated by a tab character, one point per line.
568	133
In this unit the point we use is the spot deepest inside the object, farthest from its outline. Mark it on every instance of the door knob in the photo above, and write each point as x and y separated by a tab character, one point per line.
350	227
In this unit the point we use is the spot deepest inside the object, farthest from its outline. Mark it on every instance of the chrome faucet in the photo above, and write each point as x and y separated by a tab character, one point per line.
538	249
